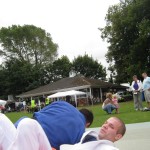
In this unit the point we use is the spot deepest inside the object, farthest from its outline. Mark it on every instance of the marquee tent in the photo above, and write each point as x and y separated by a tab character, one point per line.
68	93
57	95
2	102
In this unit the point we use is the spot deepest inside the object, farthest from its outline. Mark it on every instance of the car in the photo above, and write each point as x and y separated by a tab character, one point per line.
124	96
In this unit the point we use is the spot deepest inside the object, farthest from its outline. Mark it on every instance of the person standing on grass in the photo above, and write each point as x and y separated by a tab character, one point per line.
115	102
137	93
24	105
146	89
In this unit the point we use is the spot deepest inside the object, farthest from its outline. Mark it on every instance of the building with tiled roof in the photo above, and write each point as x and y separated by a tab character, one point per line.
93	87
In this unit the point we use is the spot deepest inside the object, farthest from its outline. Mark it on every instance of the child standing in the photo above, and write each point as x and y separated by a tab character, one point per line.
115	102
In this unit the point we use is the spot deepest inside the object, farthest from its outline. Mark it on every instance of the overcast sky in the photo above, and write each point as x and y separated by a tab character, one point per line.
73	24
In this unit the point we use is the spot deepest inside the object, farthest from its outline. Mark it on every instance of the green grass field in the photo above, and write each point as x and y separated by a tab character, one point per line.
127	114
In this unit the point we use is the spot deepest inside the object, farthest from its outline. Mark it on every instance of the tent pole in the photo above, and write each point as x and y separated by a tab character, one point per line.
76	100
87	97
101	95
91	95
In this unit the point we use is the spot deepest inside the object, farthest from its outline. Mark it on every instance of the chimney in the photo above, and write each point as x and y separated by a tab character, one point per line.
72	73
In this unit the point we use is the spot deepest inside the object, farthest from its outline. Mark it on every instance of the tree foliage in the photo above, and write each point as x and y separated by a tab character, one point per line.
26	51
89	67
21	76
27	43
15	77
60	68
127	31
31	60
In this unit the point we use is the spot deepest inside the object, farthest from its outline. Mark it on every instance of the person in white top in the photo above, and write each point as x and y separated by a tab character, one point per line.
7	132
24	105
146	88
30	136
137	93
112	130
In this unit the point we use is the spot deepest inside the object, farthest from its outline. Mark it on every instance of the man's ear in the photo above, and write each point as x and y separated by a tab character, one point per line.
87	125
118	137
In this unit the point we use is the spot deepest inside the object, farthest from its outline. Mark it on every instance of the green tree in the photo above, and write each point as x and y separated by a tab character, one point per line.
62	67
112	73
19	76
27	43
59	69
2	83
89	67
127	31
26	50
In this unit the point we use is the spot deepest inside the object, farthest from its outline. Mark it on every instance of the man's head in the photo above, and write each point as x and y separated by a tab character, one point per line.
114	96
109	95
144	75
88	116
113	129
135	78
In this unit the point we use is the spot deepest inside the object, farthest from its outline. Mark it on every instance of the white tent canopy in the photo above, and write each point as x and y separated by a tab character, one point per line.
67	93
56	95
2	102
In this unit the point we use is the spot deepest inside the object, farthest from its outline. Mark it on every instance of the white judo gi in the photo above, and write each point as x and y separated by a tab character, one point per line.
93	145
7	132
28	136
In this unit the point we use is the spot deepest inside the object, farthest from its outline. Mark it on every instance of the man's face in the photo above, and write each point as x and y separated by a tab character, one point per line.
109	130
134	78
144	75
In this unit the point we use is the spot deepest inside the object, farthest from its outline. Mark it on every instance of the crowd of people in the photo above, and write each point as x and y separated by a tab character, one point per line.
25	105
59	126
139	89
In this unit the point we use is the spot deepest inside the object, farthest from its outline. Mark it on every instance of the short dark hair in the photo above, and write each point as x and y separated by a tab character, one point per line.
135	76
144	72
122	128
88	115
